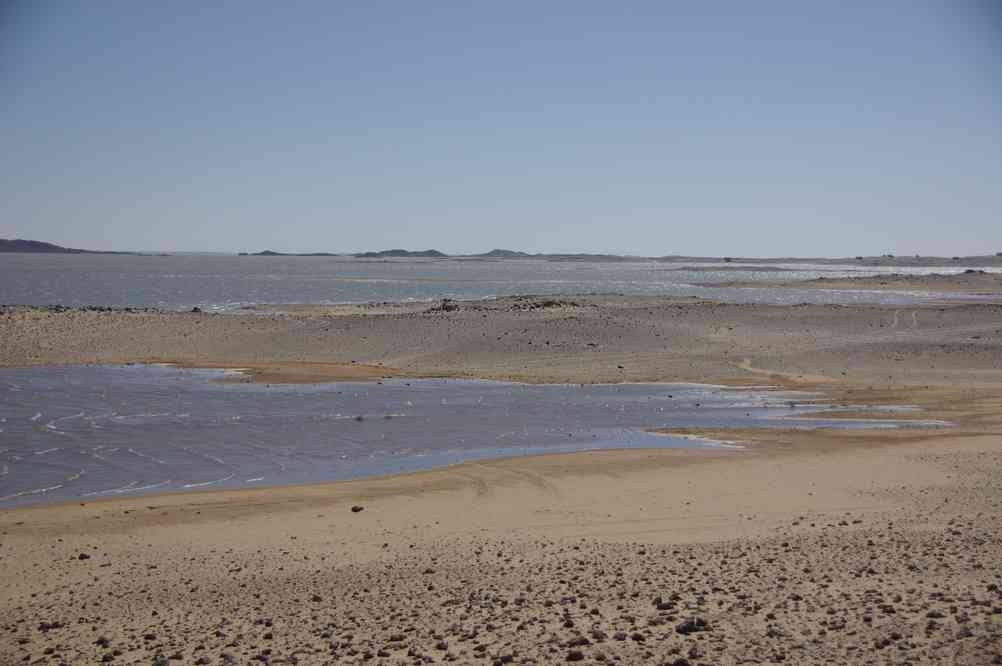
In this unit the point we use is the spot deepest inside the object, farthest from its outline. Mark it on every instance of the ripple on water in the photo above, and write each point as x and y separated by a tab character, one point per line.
135	429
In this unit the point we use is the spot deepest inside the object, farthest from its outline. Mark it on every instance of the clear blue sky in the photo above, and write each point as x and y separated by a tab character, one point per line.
724	128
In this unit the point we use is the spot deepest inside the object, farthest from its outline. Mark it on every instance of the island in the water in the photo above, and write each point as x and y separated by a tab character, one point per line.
682	262
579	256
503	254
272	253
24	246
686	262
383	254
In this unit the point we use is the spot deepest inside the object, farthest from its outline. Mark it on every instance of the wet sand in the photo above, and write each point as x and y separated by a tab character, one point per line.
809	547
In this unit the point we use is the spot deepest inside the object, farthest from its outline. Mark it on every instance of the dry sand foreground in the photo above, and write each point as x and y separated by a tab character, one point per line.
826	547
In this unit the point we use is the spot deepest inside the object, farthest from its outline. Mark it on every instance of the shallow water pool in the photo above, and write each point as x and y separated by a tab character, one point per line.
92	431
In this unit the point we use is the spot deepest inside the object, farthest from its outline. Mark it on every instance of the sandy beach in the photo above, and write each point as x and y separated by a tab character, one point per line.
828	546
388	334
971	281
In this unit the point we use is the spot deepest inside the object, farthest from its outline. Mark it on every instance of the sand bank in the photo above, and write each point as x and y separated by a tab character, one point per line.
978	283
584	339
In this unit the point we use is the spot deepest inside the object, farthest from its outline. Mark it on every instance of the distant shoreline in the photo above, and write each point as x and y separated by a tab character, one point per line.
916	506
25	246
969	282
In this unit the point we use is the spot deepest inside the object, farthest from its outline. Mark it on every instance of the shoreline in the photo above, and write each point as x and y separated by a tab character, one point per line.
940	404
824	546
816	405
584	340
335	485
270	553
723	439
976	284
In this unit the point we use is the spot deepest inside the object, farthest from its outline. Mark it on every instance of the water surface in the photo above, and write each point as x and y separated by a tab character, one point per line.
91	431
230	282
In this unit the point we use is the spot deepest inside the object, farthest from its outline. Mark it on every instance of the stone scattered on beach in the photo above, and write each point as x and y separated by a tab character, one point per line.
357	508
692	625
447	305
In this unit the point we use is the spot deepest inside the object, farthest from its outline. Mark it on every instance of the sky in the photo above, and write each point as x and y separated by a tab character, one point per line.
772	128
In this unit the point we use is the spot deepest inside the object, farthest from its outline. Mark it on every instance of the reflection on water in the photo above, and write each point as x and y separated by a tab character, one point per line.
78	432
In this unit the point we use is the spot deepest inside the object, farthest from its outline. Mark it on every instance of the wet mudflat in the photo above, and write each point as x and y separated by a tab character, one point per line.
92	431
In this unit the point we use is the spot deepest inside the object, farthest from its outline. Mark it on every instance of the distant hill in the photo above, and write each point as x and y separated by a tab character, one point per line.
383	254
40	247
272	253
503	254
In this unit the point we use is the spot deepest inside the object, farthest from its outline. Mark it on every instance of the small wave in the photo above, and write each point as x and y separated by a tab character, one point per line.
207	483
146	455
137	417
255	479
208	456
151	486
36	491
44	451
36	417
128	488
110	491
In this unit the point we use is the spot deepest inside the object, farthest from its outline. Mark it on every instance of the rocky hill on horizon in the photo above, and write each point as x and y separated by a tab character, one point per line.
21	245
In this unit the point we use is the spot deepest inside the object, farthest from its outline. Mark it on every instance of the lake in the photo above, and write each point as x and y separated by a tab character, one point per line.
226	282
97	431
